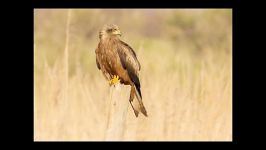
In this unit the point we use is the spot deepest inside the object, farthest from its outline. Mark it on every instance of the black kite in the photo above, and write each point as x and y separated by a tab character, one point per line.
116	58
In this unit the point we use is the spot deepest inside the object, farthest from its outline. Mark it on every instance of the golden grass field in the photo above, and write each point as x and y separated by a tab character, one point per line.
186	74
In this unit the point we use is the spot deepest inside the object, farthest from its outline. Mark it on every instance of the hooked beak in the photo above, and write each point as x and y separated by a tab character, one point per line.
117	32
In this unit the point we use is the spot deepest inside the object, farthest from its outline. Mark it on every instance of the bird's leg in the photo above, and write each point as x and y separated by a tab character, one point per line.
131	99
115	79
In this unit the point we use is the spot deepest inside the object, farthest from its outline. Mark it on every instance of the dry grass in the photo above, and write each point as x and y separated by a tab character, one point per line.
186	74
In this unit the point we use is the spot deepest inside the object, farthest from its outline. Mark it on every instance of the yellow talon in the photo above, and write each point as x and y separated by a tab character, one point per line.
114	80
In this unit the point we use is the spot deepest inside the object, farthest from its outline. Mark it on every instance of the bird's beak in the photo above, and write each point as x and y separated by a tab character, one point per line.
117	32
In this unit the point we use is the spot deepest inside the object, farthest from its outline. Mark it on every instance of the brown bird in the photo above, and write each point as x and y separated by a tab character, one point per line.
116	58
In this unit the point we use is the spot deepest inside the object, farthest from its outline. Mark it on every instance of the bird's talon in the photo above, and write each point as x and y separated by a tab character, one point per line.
115	79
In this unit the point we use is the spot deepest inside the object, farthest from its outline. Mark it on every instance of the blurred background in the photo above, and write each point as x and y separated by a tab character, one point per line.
186	73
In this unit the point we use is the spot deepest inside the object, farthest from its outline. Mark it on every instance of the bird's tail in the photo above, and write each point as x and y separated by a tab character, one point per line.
139	98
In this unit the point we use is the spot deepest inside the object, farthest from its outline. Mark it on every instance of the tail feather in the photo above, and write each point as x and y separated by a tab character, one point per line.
132	95
139	98
136	84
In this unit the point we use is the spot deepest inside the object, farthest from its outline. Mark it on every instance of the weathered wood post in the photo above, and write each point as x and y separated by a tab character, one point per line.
118	107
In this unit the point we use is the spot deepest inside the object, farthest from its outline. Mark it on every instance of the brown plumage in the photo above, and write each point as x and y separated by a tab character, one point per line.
115	57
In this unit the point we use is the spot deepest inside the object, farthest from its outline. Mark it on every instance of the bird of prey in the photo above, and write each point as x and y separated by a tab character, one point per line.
118	62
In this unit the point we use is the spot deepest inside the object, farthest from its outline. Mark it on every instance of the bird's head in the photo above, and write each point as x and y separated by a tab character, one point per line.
110	30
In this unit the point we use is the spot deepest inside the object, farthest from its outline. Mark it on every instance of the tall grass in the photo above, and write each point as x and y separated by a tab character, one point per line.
186	74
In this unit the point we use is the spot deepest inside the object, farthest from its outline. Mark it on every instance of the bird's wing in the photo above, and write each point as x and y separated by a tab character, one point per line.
128	57
130	63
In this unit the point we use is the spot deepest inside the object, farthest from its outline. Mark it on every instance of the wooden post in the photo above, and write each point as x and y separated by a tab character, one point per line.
118	107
